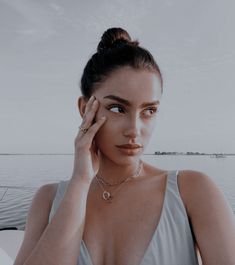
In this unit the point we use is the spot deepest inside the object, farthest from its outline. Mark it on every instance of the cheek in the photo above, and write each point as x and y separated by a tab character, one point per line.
148	130
105	132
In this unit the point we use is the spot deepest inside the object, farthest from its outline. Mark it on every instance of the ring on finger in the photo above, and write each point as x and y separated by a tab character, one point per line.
84	130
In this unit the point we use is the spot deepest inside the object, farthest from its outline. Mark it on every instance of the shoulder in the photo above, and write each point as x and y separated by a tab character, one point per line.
47	191
37	220
42	200
211	216
202	194
41	204
196	188
40	208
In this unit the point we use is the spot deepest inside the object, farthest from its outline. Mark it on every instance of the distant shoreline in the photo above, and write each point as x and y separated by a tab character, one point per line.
195	153
156	153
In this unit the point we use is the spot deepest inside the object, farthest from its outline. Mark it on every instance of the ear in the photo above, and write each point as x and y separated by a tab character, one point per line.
82	101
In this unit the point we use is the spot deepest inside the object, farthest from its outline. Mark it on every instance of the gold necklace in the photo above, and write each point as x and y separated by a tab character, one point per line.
107	196
116	183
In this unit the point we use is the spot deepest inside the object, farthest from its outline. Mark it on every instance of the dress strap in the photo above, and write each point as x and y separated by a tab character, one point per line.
174	187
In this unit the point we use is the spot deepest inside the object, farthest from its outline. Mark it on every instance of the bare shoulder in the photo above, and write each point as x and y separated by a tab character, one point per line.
186	181
194	186
212	219
40	206
44	196
48	191
37	220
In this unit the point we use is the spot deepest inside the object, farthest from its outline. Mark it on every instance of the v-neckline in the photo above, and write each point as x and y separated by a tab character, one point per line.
154	233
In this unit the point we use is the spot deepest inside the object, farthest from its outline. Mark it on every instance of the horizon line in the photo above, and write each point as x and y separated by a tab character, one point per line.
155	153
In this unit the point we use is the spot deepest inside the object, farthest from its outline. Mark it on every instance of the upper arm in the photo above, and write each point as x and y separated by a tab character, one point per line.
37	220
212	219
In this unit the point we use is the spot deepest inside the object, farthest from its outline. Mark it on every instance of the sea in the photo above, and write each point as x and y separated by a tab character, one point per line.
22	174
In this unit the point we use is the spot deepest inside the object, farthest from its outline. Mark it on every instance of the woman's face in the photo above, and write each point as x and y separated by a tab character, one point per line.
130	100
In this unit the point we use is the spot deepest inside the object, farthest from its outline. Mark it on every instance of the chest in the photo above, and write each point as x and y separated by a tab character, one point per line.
120	232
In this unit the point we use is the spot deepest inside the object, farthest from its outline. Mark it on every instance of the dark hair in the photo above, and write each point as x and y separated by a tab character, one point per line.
116	49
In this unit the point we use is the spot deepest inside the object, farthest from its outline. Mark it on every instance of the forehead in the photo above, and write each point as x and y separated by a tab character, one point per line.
131	84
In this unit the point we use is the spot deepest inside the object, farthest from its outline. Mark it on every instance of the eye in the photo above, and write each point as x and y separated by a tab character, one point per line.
119	107
152	111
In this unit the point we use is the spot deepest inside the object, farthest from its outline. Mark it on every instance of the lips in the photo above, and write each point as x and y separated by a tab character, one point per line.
129	146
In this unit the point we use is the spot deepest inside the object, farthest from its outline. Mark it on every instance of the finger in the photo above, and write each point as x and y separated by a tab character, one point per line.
89	104
89	116
89	135
87	107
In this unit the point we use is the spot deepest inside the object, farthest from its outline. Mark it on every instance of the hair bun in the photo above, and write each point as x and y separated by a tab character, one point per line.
114	37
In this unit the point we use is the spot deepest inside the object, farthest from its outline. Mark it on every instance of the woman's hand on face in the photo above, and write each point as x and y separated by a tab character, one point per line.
86	160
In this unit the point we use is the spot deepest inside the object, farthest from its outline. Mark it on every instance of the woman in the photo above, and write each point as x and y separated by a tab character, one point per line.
117	209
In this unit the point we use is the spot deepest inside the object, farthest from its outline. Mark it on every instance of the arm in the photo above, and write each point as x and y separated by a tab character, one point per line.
59	241
212	219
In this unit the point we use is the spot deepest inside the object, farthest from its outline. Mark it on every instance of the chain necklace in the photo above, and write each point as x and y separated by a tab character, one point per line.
107	195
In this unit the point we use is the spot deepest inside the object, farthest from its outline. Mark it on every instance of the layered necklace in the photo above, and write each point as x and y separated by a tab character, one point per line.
107	196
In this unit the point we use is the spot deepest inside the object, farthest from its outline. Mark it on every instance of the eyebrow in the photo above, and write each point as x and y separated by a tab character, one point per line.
127	103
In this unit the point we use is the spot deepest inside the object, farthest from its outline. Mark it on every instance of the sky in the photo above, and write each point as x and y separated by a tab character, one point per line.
44	46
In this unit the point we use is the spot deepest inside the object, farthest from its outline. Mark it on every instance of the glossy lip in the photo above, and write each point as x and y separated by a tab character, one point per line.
129	150
129	146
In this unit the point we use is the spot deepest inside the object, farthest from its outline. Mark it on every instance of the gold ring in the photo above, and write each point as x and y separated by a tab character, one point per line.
84	130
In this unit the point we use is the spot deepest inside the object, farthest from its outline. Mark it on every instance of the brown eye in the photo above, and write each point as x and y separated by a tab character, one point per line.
152	111
119	107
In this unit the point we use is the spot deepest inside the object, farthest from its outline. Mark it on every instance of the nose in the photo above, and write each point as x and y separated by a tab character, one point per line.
133	127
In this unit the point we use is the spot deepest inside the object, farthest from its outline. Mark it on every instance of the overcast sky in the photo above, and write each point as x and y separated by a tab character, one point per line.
44	46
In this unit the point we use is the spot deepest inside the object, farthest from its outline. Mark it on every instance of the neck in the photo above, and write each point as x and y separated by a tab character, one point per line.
112	172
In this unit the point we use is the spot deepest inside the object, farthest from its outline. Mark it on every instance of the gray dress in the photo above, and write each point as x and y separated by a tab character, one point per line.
172	242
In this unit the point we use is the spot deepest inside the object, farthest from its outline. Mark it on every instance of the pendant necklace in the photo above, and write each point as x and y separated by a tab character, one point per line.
107	196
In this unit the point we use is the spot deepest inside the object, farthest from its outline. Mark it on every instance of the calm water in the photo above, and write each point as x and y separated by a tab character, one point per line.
22	175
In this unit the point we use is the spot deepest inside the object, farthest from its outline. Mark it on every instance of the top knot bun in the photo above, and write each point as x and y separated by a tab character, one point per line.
114	37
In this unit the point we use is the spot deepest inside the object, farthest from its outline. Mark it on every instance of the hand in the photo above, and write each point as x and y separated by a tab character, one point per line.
86	160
